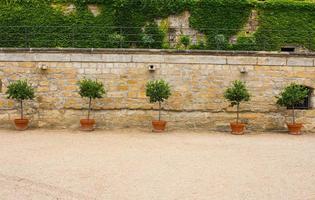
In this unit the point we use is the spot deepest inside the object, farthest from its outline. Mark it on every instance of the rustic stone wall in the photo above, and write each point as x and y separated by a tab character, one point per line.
198	80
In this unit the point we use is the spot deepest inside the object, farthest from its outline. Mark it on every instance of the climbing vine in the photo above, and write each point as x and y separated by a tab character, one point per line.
132	23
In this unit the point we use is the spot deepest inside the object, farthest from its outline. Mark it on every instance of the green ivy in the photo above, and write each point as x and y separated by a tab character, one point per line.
283	23
35	23
219	17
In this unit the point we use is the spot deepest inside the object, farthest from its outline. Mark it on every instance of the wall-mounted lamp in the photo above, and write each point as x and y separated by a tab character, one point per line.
243	70
43	67
152	68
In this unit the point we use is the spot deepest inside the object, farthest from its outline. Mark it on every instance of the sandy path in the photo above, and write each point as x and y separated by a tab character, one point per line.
123	165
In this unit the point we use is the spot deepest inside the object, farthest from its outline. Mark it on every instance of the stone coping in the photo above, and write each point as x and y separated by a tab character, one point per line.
154	56
157	51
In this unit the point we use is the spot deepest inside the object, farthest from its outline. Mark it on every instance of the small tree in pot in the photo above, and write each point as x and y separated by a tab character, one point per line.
92	90
237	94
20	91
291	96
158	91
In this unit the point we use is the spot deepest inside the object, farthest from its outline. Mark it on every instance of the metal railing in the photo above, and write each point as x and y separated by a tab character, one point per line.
150	37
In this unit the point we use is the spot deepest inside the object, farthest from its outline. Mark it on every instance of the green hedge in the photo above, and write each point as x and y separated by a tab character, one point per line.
34	23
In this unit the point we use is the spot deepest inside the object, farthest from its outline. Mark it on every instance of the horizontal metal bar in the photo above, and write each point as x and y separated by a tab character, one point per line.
148	27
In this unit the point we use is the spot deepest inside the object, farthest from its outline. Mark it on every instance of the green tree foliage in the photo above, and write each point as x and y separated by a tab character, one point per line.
291	96
20	91
158	91
236	94
91	89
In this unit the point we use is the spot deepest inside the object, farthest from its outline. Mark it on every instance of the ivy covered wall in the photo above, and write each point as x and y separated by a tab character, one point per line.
131	23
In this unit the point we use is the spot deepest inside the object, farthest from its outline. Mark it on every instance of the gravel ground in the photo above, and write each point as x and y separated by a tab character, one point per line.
134	165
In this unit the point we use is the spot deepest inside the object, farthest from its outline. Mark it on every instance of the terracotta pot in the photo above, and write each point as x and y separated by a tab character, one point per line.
21	124
295	129
237	128
87	124
158	126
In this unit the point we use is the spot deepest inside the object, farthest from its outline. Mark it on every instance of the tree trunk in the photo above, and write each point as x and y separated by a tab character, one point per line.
160	107
293	115
89	111
238	113
21	103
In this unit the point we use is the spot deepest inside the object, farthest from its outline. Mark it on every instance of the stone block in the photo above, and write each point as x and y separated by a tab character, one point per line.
273	61
148	58
241	60
120	58
22	57
52	57
188	59
301	62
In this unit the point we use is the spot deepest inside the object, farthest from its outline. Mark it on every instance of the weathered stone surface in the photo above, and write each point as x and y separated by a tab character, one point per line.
241	60
148	58
274	61
17	57
94	9
51	57
300	62
117	58
197	81
182	21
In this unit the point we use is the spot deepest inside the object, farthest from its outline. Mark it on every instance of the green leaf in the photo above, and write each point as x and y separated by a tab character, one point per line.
237	93
292	95
20	90
158	91
91	89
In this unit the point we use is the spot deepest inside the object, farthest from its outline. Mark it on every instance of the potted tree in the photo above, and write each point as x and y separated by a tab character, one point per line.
92	90
237	94
291	96
158	91
20	91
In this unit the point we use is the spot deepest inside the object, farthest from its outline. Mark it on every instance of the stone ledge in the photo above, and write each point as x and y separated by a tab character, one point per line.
241	60
157	51
272	61
300	62
157	56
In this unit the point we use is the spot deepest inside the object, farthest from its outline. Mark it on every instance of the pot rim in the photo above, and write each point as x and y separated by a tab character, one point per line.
88	120
159	121
24	119
295	124
239	124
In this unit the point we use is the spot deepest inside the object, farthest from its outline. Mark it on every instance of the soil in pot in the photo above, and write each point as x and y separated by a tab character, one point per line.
237	128
295	129
159	126
21	124
87	124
